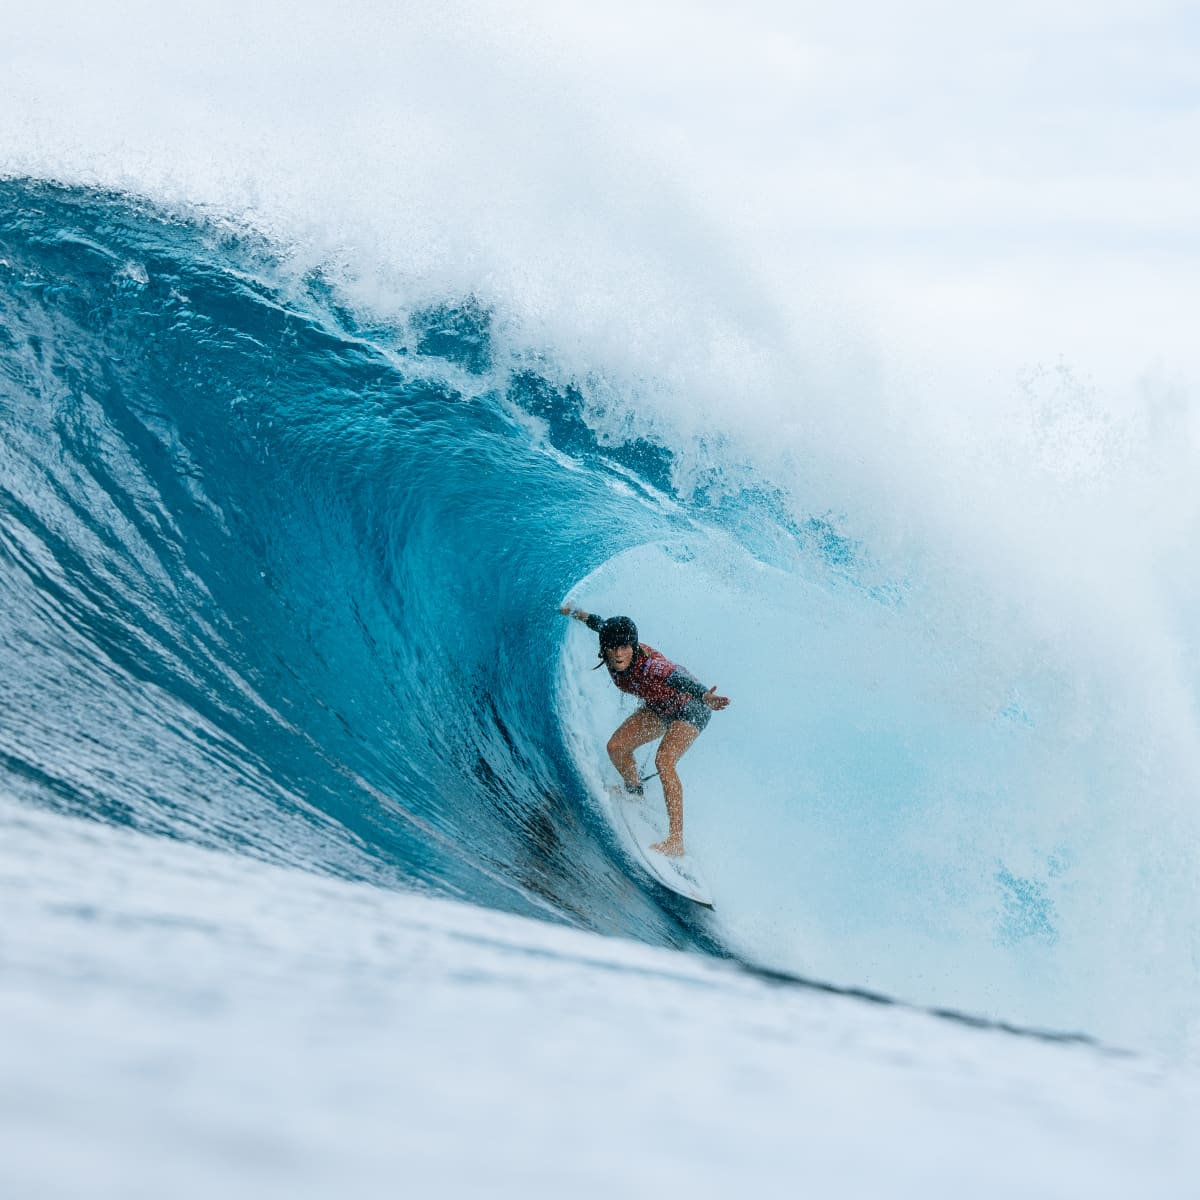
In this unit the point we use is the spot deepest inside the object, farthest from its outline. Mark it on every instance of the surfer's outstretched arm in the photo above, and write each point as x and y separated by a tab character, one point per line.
592	621
681	681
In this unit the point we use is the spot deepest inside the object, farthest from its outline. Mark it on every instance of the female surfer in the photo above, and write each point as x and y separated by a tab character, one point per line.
675	707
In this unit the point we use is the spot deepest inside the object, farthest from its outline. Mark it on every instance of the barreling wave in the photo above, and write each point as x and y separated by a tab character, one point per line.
276	586
282	579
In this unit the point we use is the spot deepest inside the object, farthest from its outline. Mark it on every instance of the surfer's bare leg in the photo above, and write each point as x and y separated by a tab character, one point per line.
679	736
633	732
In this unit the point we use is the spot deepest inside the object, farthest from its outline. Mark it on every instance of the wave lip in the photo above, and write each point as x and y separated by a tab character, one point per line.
282	578
256	574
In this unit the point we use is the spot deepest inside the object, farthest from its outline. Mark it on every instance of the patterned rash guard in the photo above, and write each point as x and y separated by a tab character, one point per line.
665	688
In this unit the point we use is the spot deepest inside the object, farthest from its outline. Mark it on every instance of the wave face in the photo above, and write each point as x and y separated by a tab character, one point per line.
276	586
283	580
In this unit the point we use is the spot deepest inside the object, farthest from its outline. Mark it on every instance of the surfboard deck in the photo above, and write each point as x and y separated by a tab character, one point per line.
681	875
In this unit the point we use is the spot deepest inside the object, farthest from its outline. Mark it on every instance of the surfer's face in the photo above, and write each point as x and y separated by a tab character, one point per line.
619	657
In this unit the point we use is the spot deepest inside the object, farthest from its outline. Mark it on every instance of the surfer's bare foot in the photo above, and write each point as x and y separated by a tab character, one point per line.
672	847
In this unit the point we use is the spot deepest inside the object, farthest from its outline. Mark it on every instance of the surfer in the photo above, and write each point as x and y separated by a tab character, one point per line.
675	707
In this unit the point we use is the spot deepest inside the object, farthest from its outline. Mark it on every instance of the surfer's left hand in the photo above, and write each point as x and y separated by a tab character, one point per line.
714	701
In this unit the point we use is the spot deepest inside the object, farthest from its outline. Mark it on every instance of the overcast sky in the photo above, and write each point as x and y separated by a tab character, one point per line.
1020	176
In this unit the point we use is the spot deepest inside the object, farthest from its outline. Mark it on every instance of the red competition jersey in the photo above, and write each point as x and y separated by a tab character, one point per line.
647	680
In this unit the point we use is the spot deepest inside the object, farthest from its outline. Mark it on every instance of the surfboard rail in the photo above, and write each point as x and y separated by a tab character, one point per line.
680	875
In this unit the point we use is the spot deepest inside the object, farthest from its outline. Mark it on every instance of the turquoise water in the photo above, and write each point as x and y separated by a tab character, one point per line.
281	577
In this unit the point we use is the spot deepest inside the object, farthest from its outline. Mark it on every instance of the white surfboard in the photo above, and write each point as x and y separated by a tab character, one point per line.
636	817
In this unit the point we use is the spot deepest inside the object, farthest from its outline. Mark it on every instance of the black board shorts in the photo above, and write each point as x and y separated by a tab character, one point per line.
694	712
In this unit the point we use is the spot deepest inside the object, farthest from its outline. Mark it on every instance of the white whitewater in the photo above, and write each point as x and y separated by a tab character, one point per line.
181	1022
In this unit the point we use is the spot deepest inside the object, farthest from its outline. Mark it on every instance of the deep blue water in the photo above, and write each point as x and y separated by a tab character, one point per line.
282	584
281	577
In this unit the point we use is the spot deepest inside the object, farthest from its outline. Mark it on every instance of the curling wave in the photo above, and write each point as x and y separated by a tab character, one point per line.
283	580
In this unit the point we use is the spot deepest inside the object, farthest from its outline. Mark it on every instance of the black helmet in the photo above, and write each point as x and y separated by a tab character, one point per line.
617	631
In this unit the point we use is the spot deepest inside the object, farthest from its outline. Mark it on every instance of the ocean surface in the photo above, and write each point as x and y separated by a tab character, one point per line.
285	584
336	356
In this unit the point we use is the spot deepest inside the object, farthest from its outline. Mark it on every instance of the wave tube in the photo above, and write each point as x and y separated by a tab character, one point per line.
889	803
267	582
283	578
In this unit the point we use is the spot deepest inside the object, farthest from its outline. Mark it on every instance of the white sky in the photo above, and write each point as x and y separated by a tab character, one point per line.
1018	181
1029	168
